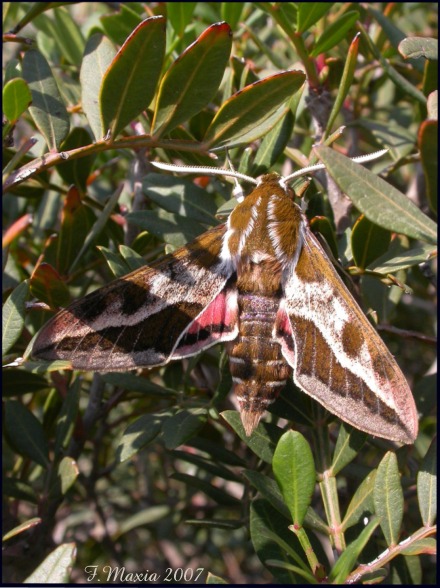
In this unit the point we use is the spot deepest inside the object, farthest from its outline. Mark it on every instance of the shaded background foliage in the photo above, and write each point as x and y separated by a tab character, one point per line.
141	472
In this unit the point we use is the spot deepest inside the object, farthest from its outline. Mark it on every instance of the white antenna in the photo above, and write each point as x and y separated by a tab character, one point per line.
238	193
312	168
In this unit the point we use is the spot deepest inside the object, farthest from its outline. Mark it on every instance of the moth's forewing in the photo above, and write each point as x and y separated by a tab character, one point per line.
337	356
138	320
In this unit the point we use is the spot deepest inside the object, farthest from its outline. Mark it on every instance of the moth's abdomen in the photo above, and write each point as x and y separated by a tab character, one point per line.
259	371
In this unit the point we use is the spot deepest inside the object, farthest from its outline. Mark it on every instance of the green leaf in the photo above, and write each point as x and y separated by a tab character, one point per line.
14	311
66	420
388	498
309	13
137	435
254	110
193	79
273	145
181	197
171	228
135	383
76	170
220	496
262	441
212	578
47	286
321	225
76	221
335	33
17	382
398	139
398	259
268	490
18	490
207	465
177	429
428	145
415	47
25	433
69	37
129	83
179	15
16	98
231	12
119	25
98	224
56	568
294	472
264	519
147	516
348	558
379	201
117	266
348	444
361	504
98	55
67	474
133	260
47	109
368	242
427	486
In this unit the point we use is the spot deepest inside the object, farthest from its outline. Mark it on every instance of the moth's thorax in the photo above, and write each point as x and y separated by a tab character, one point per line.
265	227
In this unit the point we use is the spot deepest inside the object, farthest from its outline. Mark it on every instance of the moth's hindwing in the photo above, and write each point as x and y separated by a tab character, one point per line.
170	310
337	356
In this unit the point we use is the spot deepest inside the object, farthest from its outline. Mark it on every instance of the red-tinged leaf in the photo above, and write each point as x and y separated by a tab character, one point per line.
130	81
251	112
345	83
47	109
21	528
16	98
428	145
98	55
47	286
76	222
368	242
16	229
193	79
76	171
428	546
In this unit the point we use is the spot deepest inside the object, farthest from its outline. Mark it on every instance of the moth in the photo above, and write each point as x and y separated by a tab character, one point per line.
261	284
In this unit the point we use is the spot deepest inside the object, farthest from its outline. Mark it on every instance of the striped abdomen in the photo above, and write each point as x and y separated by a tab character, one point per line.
259	371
